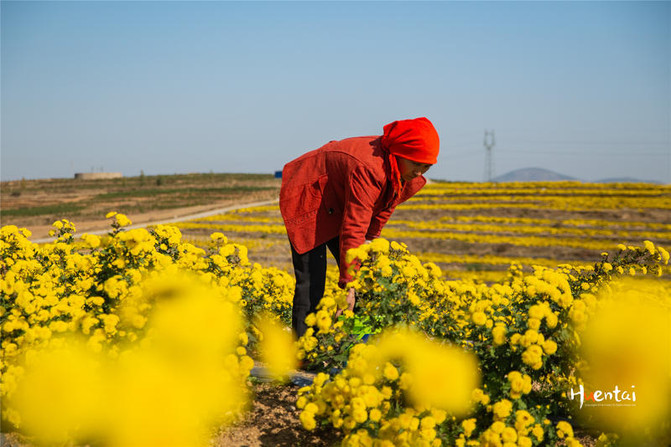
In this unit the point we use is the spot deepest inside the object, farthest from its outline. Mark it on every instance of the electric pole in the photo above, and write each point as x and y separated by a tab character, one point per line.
489	162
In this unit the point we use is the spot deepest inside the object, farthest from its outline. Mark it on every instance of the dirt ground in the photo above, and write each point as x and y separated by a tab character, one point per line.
273	421
36	204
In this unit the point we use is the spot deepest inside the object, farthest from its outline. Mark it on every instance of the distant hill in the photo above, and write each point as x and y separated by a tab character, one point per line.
545	175
532	175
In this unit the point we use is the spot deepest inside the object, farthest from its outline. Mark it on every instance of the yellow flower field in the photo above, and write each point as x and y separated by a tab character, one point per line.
475	326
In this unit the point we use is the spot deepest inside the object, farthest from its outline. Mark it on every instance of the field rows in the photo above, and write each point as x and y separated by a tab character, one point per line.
483	228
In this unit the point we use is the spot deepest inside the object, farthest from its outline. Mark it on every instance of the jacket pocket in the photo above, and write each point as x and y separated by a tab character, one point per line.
303	202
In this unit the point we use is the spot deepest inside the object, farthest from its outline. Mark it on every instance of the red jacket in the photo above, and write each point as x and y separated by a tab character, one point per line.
341	189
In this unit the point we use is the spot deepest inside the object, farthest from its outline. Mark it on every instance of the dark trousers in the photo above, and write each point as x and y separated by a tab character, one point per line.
310	271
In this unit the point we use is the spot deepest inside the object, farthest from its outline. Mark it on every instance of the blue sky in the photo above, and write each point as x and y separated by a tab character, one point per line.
581	88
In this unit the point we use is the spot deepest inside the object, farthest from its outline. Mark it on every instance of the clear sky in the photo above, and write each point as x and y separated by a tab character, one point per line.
163	87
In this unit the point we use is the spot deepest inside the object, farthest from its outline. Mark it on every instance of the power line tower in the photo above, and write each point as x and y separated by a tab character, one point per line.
489	161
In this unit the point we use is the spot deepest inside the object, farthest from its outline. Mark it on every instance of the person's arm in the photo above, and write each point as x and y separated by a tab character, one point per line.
378	222
360	198
381	219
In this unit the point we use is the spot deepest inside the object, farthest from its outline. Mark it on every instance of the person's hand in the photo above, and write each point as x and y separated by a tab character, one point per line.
351	301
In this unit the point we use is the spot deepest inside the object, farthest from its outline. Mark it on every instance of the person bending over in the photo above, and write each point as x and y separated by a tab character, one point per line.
341	195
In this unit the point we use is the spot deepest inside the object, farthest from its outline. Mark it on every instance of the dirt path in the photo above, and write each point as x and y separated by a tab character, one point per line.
144	220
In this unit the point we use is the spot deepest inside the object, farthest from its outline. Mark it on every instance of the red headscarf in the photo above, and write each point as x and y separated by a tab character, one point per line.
414	139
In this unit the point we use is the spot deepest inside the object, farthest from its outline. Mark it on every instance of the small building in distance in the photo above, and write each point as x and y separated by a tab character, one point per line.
97	175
